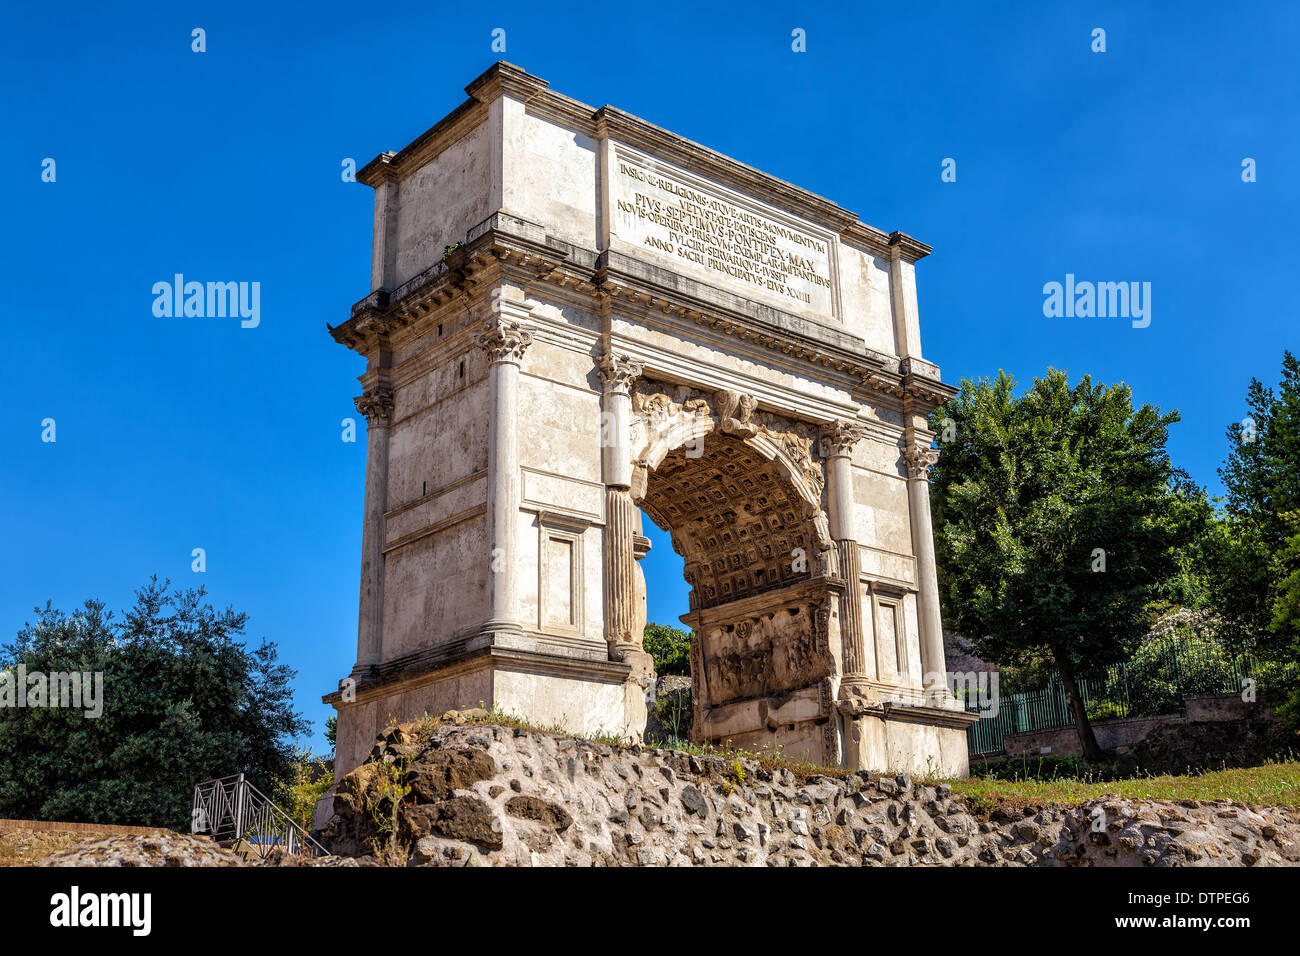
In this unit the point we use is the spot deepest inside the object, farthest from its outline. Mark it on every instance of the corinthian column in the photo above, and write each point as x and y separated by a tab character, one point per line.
376	404
920	458
622	525
837	443
505	341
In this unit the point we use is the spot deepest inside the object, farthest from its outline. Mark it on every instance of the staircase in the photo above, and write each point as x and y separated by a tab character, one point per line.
237	815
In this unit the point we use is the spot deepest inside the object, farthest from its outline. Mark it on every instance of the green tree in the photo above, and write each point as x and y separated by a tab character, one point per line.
184	701
1262	473
1058	519
1252	559
670	647
1285	623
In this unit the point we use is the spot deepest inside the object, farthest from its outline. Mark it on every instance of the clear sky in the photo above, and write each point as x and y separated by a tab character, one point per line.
180	433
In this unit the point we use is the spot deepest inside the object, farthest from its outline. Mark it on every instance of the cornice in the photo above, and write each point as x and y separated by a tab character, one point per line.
914	384
498	251
395	166
500	79
869	237
503	78
508	248
907	248
492	253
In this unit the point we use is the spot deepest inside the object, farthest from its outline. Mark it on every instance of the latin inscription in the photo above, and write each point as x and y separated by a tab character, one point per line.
663	214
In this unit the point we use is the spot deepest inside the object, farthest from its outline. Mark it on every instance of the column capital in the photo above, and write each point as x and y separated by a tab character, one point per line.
376	403
505	340
839	437
920	459
617	372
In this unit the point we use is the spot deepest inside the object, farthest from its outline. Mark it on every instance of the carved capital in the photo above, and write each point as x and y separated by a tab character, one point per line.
505	340
920	459
376	404
617	372
839	437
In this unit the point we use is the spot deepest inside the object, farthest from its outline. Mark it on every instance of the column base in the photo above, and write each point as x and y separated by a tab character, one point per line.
492	628
361	672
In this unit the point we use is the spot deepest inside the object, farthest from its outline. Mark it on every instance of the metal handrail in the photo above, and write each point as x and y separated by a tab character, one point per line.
233	808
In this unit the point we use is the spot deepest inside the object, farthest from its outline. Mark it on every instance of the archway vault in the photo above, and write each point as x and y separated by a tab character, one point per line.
740	493
735	518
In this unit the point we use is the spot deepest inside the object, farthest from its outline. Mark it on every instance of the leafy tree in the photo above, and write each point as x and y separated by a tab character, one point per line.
184	701
332	732
1285	627
1262	473
1252	559
1240	566
1286	609
670	647
1058	519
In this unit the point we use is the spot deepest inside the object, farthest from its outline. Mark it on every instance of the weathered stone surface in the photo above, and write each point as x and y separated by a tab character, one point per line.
534	808
438	773
640	806
468	819
161	849
694	801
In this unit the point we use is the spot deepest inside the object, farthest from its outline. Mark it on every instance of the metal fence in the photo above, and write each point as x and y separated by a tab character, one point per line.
232	809
1163	672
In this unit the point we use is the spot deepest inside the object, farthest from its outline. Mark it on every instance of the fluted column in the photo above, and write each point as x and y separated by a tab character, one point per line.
620	572
376	404
505	341
920	458
622	525
838	440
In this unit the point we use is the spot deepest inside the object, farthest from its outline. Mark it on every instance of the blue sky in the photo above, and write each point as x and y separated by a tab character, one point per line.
175	433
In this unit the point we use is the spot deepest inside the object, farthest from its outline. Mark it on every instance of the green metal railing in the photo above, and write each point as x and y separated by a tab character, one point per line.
1155	681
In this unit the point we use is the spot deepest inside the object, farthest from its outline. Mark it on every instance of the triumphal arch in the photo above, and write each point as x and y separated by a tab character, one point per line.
578	318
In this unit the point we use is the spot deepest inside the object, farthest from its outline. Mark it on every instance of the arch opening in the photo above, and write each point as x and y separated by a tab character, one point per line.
761	608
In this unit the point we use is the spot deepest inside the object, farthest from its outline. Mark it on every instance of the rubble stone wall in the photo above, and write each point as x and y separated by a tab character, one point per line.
477	794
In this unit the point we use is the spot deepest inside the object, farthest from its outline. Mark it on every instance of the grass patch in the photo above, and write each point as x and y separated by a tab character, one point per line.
1272	784
1033	782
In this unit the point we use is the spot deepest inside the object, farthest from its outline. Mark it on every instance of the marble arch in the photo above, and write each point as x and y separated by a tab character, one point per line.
575	315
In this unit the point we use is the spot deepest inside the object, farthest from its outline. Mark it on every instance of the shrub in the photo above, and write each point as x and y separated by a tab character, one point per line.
1044	768
670	647
1105	710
